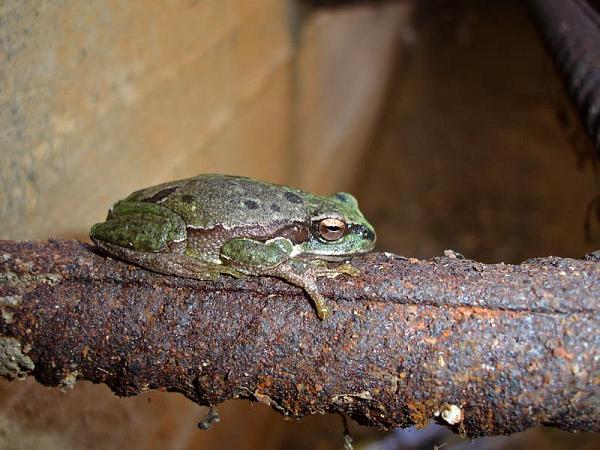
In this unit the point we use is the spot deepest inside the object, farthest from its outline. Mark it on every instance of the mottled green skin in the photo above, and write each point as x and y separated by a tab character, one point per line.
211	224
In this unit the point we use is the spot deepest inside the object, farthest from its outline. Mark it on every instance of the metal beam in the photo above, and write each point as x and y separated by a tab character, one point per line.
484	348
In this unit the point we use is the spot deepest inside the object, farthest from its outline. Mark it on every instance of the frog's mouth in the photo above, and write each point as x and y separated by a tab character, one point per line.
328	258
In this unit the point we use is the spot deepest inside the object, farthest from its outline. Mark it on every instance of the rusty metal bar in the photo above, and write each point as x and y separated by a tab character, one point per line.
571	30
485	349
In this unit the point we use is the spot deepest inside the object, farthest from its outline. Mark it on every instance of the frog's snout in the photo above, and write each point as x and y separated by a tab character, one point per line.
365	237
369	234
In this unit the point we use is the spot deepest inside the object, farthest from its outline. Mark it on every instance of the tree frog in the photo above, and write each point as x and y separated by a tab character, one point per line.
211	224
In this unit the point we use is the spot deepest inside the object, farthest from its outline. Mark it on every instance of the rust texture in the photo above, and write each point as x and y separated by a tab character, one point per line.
486	349
571	30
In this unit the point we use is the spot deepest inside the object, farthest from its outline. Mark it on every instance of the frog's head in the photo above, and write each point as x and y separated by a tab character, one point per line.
338	228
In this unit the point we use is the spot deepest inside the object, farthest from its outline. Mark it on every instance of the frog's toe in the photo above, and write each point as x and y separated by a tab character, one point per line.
324	312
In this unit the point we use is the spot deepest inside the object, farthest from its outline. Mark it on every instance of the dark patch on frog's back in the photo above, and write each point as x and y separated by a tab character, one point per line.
250	204
160	195
189	199
231	200
341	196
293	198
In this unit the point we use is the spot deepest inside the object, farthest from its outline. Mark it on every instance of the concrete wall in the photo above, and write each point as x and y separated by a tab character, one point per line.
99	99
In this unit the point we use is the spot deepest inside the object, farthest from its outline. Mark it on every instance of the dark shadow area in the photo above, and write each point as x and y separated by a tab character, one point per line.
470	155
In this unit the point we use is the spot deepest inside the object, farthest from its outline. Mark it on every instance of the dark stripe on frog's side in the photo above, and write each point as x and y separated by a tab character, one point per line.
297	233
208	243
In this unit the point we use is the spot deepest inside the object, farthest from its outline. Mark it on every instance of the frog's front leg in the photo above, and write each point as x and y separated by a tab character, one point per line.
141	227
253	257
305	275
273	258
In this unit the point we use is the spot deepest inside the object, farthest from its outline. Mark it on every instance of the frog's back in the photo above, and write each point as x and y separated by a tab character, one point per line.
206	201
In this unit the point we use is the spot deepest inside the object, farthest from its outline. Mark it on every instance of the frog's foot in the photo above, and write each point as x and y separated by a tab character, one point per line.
272	258
304	276
323	310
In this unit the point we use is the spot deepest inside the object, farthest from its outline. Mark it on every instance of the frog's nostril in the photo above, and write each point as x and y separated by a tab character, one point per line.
365	232
368	234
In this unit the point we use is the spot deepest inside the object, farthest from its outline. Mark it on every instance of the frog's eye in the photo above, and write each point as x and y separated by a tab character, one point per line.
331	229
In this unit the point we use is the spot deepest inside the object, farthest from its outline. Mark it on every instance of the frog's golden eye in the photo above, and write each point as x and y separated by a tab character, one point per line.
331	229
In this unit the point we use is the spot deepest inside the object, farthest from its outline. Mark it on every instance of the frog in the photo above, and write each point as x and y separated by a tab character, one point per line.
214	224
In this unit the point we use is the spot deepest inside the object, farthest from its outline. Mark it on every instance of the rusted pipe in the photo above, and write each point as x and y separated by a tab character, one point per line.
486	349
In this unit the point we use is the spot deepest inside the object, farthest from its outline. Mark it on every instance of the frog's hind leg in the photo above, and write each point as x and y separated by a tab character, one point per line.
153	237
170	263
185	266
142	227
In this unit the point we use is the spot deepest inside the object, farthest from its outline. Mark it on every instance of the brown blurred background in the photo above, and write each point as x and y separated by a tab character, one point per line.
441	116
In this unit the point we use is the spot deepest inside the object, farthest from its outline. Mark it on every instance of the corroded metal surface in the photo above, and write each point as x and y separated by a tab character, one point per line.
487	349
